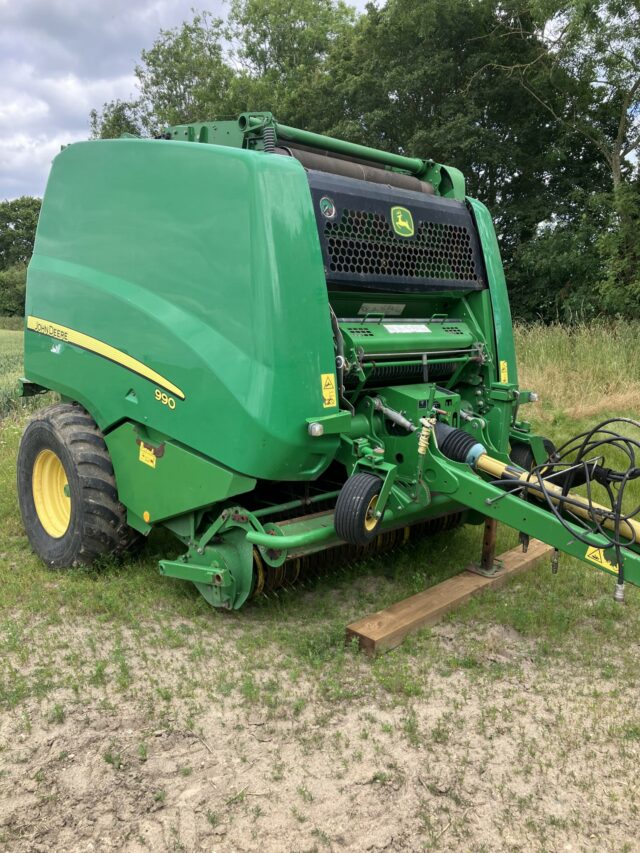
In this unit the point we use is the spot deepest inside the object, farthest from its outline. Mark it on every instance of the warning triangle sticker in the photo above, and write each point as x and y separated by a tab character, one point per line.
598	557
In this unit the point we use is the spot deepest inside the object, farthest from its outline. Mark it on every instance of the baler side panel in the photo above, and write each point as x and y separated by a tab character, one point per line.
203	263
502	322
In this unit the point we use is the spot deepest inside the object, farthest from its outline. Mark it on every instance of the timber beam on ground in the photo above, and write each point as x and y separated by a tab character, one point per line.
387	628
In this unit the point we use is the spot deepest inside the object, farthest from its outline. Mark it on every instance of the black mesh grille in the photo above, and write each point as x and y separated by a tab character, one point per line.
365	243
362	251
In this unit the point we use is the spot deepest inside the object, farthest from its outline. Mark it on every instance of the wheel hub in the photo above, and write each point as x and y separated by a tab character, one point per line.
51	493
371	519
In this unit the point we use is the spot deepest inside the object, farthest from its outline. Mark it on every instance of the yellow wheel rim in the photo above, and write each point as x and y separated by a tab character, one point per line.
51	493
370	520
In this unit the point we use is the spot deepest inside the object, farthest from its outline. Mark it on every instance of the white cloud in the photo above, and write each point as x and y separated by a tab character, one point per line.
58	60
61	58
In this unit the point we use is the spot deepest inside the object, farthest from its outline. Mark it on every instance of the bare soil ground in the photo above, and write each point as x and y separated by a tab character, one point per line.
192	758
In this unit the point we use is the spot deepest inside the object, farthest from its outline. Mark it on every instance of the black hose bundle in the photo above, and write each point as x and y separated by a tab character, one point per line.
581	461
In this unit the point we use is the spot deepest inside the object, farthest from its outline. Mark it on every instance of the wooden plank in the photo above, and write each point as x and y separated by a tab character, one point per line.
386	629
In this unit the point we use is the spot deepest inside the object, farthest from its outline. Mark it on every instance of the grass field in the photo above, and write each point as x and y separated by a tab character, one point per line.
10	369
134	717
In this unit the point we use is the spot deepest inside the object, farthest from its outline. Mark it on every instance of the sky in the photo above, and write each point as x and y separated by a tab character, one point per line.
61	58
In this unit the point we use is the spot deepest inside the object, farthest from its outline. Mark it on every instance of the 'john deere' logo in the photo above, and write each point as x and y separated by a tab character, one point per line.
402	221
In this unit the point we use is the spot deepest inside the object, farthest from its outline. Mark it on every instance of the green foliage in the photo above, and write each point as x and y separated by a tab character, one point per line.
18	220
620	249
13	281
184	75
116	118
556	274
285	49
10	368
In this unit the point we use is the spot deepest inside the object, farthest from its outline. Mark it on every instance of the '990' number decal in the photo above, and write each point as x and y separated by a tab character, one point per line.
165	399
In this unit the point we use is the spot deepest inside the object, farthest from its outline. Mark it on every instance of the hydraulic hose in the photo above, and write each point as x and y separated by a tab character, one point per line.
459	446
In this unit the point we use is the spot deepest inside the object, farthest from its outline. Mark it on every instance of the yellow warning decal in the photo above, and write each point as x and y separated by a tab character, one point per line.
504	372
599	558
70	336
328	381
147	455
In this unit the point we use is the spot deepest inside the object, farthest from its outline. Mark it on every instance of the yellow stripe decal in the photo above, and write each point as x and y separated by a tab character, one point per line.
70	336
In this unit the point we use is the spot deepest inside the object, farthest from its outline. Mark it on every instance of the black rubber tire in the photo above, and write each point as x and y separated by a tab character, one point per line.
98	522
351	509
522	455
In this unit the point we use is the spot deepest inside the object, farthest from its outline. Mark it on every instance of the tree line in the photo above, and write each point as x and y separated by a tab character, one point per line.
18	220
536	101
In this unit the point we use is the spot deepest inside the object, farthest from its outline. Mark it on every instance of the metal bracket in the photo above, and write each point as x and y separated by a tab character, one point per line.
489	572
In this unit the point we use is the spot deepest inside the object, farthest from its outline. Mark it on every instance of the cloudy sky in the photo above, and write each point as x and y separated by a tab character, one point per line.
58	60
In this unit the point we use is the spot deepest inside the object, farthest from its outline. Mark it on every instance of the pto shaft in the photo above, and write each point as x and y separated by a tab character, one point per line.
459	446
500	471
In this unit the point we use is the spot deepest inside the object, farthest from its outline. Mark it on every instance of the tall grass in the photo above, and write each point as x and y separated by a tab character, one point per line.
14	324
581	372
10	369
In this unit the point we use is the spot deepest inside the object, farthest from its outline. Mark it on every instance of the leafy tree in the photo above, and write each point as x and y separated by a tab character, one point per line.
555	274
620	248
116	118
282	48
593	61
586	76
185	76
18	220
13	281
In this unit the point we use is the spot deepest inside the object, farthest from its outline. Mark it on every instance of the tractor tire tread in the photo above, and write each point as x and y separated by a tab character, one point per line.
102	529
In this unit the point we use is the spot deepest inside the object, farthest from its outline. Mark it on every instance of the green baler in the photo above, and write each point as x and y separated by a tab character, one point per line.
276	344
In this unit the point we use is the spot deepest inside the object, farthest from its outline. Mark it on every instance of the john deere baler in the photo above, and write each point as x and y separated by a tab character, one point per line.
277	345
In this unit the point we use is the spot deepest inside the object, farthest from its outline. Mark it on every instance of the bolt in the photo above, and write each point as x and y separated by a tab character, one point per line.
200	550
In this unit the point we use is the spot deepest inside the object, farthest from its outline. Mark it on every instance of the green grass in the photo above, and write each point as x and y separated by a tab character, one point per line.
10	368
14	324
582	373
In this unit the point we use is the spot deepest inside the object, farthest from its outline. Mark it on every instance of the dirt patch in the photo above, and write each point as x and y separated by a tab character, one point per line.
525	761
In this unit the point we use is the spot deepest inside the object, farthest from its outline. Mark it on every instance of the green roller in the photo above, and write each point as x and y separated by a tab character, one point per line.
277	345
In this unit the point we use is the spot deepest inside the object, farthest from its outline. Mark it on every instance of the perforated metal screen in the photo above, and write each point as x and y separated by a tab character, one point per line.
361	247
